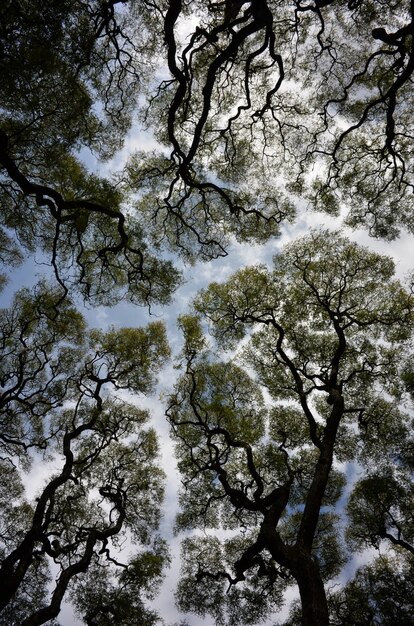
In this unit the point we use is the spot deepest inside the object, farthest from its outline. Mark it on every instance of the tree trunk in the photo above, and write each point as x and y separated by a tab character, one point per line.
312	592
306	573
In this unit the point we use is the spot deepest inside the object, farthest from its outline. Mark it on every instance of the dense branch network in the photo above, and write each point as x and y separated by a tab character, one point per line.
261	92
247	101
81	222
56	395
323	341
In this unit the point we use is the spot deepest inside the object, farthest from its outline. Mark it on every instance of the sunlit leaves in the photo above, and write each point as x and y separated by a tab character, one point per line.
131	356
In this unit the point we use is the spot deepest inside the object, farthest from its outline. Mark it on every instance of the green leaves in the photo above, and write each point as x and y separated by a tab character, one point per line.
250	296
208	563
39	355
98	597
260	107
57	395
381	593
218	415
131	356
380	508
326	334
71	78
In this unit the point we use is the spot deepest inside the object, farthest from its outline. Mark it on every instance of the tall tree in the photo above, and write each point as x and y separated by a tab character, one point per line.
253	97
325	334
269	101
103	484
247	100
71	76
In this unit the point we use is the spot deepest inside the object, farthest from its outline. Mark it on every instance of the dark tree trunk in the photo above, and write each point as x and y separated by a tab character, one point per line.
312	592
305	570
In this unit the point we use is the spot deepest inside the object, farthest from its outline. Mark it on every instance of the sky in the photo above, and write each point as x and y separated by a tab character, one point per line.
125	314
196	278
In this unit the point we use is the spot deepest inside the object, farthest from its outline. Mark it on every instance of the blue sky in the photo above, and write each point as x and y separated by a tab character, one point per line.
196	277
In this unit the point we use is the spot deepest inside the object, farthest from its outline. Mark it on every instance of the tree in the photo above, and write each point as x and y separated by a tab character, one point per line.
326	333
247	100
101	602
268	102
380	593
71	76
257	107
104	484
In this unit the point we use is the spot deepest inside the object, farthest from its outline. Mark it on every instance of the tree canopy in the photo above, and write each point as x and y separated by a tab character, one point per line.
71	76
255	106
105	483
293	424
328	335
271	102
